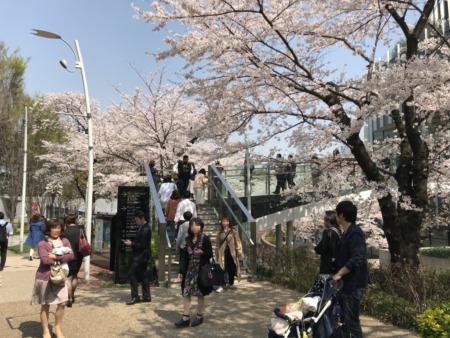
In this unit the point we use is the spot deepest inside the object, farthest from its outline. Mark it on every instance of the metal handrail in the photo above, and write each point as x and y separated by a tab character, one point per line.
252	222
161	227
243	208
232	194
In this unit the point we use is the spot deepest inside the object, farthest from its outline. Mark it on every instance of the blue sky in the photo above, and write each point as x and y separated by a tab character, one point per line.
109	38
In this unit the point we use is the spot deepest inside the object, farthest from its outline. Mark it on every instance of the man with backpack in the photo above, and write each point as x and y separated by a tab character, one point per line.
6	230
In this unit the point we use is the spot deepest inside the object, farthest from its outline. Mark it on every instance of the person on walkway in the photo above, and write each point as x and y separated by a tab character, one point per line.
326	248
228	252
170	212
281	172
6	230
352	267
35	235
292	171
165	190
185	170
315	170
181	246
200	183
185	205
245	174
191	181
199	252
155	173
72	233
140	247
45	293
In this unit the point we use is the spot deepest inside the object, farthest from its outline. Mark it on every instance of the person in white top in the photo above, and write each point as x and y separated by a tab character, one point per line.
185	205
165	190
7	230
199	188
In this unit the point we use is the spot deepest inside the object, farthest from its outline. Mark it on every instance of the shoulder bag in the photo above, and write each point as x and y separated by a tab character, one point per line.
211	274
84	248
57	274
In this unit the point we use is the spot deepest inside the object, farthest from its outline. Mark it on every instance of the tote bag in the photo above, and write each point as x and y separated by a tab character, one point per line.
57	275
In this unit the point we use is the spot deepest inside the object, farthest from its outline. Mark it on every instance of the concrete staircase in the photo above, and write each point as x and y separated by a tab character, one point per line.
212	226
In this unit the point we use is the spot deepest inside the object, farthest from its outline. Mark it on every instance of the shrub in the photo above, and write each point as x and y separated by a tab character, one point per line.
389	308
399	295
435	322
293	267
439	252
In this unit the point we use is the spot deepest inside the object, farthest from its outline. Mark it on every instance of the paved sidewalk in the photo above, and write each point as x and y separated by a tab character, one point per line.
100	311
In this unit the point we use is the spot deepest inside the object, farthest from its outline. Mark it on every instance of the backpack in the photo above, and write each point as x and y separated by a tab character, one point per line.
3	233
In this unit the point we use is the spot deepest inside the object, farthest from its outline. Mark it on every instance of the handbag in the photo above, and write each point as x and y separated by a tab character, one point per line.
84	248
57	274
211	274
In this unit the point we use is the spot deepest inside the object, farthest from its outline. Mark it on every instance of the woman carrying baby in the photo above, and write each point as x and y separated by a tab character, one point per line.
45	293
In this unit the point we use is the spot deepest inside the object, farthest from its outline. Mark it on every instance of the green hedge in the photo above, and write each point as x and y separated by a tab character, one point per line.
293	267
439	252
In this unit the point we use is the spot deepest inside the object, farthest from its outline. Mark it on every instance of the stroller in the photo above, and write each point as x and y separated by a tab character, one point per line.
319	322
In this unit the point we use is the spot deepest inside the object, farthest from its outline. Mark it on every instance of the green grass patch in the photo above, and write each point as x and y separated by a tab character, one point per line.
16	248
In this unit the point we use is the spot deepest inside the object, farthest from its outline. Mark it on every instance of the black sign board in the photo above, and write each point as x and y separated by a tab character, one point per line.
129	200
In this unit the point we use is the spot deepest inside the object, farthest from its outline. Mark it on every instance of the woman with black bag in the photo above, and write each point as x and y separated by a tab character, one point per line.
228	251
199	253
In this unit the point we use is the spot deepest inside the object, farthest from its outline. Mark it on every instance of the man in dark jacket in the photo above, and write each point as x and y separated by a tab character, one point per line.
185	171
140	247
352	267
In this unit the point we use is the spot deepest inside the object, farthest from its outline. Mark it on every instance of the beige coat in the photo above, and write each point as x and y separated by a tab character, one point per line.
234	242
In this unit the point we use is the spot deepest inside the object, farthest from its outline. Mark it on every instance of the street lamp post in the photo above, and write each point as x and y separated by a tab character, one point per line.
24	179
90	182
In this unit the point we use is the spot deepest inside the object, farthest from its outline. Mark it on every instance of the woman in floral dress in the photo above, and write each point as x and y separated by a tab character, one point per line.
199	252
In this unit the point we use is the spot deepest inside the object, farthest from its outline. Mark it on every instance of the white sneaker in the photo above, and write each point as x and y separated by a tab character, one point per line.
219	289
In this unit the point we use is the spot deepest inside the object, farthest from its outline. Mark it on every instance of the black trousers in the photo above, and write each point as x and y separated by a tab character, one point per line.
230	266
184	265
138	273
3	252
281	185
184	185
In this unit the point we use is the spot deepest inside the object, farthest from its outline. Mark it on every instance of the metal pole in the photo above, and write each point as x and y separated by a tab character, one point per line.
24	179
249	184
90	182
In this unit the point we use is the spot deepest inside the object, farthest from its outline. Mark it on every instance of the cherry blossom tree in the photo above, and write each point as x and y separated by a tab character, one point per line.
282	66
154	122
65	162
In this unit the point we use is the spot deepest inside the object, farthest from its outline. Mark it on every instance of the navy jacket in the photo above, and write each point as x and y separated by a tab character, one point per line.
351	253
140	245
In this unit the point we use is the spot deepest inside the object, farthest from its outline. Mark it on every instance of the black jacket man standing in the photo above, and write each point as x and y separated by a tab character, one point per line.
140	247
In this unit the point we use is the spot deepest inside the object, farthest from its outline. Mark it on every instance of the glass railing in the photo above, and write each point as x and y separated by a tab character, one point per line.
306	179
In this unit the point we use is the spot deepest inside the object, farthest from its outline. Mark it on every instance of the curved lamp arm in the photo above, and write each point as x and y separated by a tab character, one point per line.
50	35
